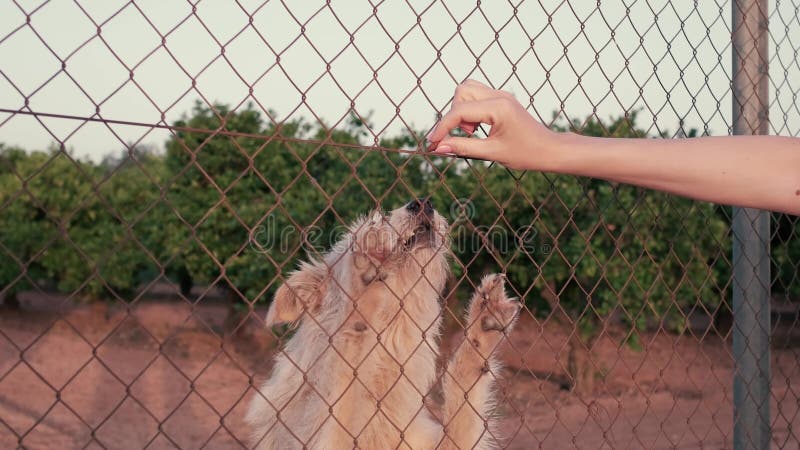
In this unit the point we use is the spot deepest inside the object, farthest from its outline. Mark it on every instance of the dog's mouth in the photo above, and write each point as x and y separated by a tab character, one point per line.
421	235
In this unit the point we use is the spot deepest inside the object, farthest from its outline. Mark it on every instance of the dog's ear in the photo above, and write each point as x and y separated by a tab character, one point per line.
303	291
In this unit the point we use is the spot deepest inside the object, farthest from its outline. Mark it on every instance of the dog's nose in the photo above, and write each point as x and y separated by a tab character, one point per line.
423	205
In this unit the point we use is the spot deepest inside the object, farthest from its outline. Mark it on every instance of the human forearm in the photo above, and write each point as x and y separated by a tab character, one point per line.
753	171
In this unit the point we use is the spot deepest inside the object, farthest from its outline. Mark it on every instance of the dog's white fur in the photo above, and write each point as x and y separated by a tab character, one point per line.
362	361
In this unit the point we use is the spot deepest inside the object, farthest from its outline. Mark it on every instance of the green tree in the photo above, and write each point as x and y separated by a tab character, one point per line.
214	199
24	232
63	223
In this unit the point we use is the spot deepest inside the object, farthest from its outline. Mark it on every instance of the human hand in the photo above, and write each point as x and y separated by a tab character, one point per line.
515	140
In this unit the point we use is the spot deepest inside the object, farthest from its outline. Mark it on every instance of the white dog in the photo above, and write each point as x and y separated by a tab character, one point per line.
362	360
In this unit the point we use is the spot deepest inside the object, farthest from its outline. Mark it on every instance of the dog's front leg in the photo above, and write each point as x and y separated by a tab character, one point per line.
472	369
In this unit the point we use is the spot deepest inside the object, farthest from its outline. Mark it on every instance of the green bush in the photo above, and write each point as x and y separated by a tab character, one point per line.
785	253
64	220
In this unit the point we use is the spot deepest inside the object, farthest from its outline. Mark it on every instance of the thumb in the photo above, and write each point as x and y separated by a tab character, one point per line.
463	146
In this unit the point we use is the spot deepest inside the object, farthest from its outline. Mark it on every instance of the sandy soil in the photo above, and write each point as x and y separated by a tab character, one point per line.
161	375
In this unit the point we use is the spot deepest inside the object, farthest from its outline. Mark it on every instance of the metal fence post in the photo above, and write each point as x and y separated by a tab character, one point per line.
751	263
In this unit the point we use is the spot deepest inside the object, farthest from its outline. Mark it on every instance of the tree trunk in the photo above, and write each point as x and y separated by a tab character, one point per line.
580	370
579	365
10	301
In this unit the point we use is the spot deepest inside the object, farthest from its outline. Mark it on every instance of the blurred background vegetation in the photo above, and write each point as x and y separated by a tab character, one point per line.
578	250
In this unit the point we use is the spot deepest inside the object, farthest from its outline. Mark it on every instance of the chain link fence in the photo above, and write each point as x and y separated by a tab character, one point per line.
164	167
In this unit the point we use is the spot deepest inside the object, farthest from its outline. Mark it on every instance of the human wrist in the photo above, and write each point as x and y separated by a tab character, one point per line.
561	153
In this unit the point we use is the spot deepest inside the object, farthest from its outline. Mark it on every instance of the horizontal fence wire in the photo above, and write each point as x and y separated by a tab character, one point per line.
217	132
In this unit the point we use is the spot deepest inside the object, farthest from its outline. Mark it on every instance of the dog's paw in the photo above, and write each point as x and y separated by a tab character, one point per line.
491	312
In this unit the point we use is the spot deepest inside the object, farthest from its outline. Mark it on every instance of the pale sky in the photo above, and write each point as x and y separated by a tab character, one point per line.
533	42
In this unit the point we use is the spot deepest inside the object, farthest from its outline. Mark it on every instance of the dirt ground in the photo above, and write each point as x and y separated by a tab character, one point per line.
160	375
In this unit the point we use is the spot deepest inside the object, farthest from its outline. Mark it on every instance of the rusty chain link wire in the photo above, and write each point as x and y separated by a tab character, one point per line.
164	167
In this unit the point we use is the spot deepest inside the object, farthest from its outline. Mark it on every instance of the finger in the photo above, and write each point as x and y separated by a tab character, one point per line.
469	128
472	90
467	147
469	91
465	113
472	82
